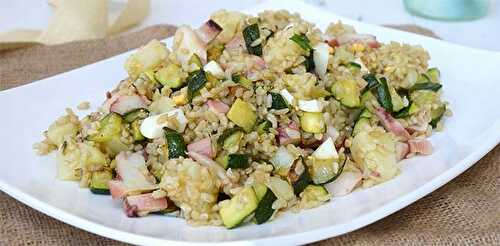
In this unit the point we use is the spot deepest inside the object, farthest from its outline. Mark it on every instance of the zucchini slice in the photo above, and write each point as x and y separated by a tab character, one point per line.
135	128
278	102
99	182
195	59
222	160
234	212
281	188
322	171
109	134
437	115
361	125
315	193
353	67
250	34
347	92
265	209
237	161
366	114
242	114
110	127
299	176
170	76
396	99
312	122
176	144
196	81
260	190
372	82
302	41
231	143
230	137
405	112
434	74
244	81
383	95
264	127
309	62
136	114
426	86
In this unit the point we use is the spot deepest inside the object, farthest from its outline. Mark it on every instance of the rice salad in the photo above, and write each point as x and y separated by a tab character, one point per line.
247	117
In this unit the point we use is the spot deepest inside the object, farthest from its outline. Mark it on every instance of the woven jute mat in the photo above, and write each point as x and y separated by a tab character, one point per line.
464	211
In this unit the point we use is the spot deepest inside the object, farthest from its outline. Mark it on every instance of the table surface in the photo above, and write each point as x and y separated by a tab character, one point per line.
483	33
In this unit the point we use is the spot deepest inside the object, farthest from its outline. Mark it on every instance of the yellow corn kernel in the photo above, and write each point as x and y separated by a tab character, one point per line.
180	99
358	47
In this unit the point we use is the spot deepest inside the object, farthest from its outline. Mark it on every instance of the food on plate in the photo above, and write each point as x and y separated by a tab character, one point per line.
247	117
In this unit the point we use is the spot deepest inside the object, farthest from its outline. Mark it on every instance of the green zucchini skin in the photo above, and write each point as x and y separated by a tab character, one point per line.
353	66
309	62
240	79
434	74
176	144
239	207
99	182
341	169
265	209
334	176
135	127
383	96
302	41
372	82
136	114
250	34
264	127
196	81
435	120
238	161
278	102
403	113
426	86
303	181
98	191
227	133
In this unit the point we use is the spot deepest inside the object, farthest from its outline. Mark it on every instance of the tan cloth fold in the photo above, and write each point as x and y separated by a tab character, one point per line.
465	211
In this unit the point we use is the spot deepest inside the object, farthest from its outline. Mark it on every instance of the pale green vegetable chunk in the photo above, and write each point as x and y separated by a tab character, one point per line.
313	196
171	76
242	114
147	57
397	101
57	132
347	92
312	122
74	157
234	211
374	152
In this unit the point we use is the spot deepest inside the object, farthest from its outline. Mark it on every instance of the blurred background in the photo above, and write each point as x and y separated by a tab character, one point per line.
482	32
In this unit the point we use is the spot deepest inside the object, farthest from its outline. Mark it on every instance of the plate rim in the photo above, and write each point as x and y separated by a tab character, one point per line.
490	142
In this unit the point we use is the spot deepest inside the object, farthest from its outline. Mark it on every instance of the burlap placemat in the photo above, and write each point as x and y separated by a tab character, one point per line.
464	211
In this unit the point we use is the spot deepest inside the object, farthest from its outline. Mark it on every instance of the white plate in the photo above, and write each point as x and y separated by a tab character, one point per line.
471	83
